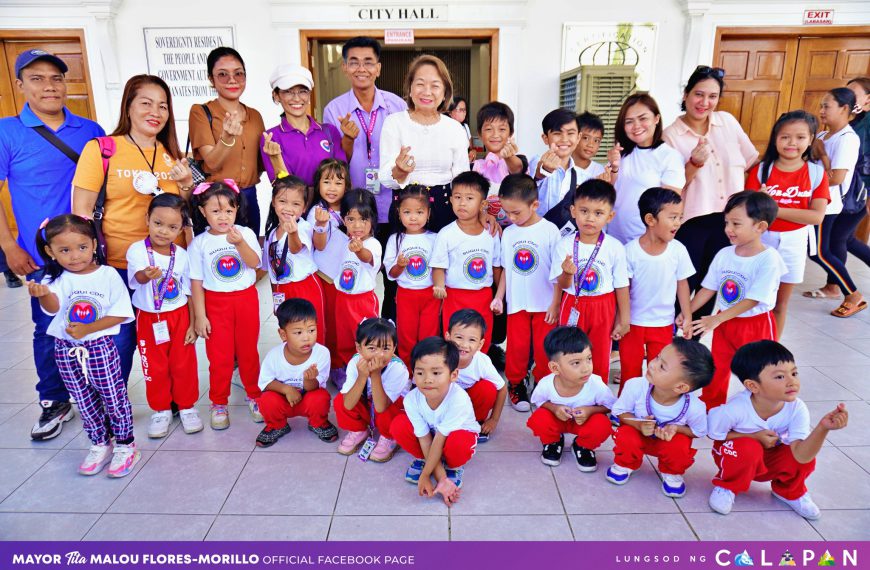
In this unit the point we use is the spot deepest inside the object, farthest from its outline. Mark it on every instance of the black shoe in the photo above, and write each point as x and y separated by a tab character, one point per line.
496	354
586	461
269	436
50	422
327	433
482	437
12	280
519	397
552	453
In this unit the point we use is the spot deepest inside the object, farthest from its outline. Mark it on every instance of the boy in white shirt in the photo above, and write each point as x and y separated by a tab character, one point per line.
746	277
554	171
763	433
571	400
661	414
658	269
293	376
438	423
591	132
466	332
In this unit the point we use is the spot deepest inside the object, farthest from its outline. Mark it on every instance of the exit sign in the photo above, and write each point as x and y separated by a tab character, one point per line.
818	17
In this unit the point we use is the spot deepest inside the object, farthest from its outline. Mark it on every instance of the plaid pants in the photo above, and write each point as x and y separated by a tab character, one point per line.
102	396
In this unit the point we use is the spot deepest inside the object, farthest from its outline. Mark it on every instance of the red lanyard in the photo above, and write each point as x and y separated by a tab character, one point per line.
369	130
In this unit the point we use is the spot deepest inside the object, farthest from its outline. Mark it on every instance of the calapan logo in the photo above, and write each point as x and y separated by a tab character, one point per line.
418	265
172	290
803	558
324	144
83	310
228	267
525	260
475	269
347	279
731	291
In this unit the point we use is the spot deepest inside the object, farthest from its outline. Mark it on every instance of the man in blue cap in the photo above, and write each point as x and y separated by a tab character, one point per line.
38	153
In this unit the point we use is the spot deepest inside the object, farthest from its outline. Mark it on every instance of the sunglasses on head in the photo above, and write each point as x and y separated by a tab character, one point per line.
716	72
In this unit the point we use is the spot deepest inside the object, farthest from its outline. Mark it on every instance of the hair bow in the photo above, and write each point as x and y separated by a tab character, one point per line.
43	224
203	186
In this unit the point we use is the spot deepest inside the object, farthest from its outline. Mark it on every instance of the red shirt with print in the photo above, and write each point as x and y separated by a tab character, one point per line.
790	190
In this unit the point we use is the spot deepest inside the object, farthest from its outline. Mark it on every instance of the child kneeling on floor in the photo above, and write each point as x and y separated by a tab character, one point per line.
571	400
660	414
438	422
763	433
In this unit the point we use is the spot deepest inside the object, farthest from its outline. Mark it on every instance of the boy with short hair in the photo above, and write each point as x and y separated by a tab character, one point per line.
658	269
591	132
466	331
571	400
554	170
293	376
466	259
590	267
661	414
746	277
763	433
438	421
532	301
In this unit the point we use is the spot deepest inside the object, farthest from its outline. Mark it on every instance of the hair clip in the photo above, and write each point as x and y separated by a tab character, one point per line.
200	188
281	174
43	224
232	184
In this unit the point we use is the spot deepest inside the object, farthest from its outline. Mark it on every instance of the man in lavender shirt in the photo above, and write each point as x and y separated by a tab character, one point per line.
367	106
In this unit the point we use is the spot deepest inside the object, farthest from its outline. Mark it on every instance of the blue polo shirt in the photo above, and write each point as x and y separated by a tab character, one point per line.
39	175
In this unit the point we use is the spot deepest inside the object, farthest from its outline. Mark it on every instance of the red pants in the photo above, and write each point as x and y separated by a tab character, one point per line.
727	338
235	328
675	456
743	460
416	318
458	448
329	323
482	394
479	300
277	410
350	311
310	289
165	383
638	342
597	316
358	417
548	428
525	333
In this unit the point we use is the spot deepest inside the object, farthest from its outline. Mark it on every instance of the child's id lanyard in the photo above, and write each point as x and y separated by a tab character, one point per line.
369	446
580	276
679	417
372	184
161	328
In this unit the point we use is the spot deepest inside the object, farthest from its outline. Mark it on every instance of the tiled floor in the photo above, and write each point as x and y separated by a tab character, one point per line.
217	486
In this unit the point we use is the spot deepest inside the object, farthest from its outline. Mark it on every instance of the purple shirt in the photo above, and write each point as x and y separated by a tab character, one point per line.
303	152
385	103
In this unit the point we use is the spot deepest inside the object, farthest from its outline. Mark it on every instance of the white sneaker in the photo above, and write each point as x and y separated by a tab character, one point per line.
673	485
255	410
618	475
803	505
98	457
159	426
124	458
190	420
721	500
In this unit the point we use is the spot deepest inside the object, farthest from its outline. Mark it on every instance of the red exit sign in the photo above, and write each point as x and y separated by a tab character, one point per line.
818	17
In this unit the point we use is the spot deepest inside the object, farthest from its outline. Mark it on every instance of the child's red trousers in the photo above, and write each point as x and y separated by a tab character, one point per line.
479	300
235	328
358	417
458	448
675	456
416	318
482	394
277	410
525	336
639	342
597	316
744	460
170	367
350	311
310	289
548	428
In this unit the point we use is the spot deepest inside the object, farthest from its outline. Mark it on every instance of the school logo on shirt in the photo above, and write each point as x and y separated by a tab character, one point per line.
228	267
347	279
324	144
83	310
418	265
172	290
475	269
731	291
591	282
525	259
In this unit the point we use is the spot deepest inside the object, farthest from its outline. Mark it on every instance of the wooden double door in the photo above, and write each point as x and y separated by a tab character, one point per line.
767	75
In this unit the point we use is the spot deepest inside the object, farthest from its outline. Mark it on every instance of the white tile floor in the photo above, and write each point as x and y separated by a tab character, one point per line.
217	486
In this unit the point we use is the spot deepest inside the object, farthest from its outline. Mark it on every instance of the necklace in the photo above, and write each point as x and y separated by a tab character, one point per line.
425	122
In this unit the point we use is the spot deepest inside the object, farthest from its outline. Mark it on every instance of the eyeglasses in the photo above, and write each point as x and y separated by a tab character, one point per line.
303	94
224	77
354	64
716	72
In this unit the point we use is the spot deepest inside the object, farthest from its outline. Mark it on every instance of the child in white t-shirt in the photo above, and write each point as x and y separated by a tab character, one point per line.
763	433
591	132
658	269
571	400
660	414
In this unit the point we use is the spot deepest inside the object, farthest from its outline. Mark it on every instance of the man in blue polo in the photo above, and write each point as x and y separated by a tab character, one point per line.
39	172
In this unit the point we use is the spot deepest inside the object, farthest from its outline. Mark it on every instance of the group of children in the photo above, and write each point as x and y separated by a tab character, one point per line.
425	382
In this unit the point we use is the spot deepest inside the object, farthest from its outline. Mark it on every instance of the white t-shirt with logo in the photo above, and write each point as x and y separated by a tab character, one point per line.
593	393
633	400
298	266
609	271
329	260
454	413
736	278
276	367
178	289
86	299
395	378
653	285
218	263
526	255
467	259
480	368
418	249
355	276
791	423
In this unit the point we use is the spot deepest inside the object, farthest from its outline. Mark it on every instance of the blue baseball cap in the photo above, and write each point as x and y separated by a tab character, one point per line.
25	58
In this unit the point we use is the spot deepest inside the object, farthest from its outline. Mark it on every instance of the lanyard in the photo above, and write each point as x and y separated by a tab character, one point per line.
369	130
333	214
680	416
580	276
153	158
278	264
160	293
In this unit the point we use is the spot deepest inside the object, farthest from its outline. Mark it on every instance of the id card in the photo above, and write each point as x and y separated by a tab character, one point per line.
366	450
573	317
277	299
161	332
373	185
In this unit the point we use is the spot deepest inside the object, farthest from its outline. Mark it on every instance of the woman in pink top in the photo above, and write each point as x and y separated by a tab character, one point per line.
717	154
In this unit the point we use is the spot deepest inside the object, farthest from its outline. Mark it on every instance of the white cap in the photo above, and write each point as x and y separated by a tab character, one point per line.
287	76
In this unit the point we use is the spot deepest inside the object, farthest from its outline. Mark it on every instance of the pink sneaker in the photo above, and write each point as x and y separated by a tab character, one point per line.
351	442
124	458
383	451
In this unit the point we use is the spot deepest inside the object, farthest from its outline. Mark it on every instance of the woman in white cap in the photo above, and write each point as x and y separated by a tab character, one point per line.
303	141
